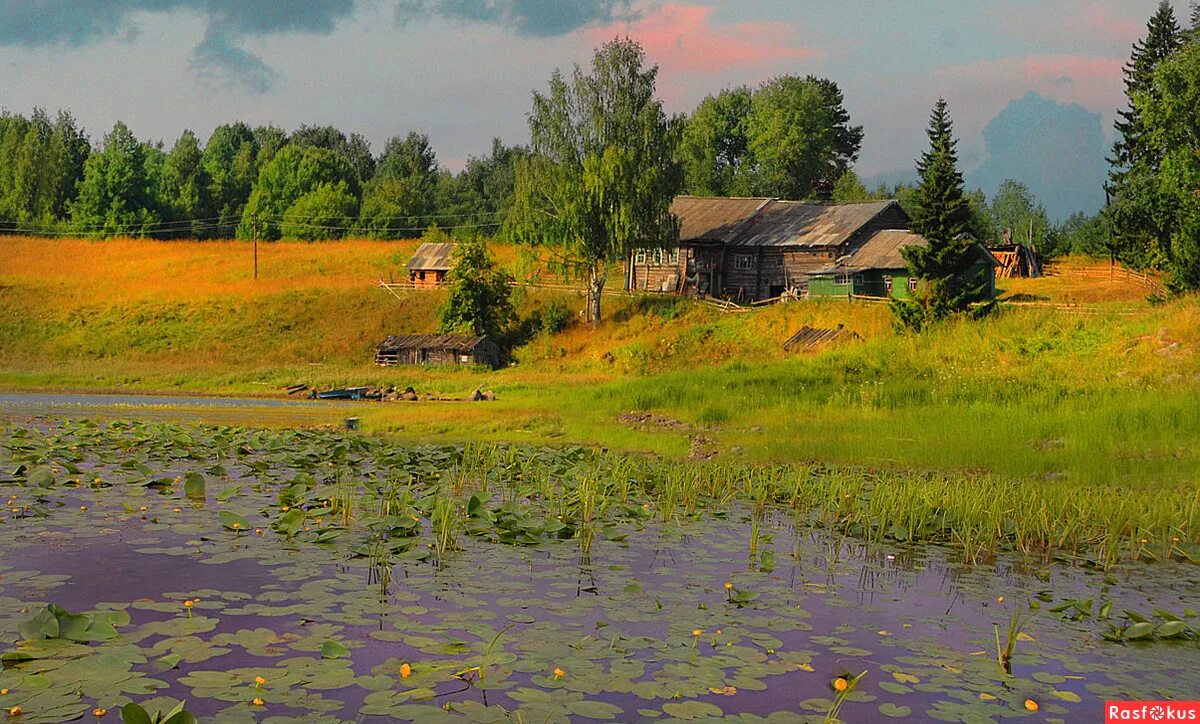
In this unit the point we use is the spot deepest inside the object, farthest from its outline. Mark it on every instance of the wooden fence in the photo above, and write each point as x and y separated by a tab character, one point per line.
1114	272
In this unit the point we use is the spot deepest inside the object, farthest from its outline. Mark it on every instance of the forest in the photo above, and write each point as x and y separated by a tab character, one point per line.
790	137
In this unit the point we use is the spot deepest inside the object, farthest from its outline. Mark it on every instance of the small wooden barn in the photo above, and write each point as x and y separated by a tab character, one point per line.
430	264
437	349
878	269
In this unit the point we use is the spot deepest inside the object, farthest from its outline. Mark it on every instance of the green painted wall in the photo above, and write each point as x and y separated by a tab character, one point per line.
872	283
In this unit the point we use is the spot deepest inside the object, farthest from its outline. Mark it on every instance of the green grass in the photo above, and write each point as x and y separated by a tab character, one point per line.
1102	397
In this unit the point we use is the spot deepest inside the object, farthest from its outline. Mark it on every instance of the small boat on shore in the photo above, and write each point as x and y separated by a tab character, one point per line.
346	393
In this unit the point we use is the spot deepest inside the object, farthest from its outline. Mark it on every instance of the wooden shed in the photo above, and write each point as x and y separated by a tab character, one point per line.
437	349
878	269
430	264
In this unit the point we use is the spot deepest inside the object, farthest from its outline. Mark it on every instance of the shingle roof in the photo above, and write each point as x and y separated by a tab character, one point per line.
882	251
435	257
453	342
714	218
797	223
809	338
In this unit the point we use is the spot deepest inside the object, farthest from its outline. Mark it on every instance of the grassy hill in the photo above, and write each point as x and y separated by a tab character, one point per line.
1100	392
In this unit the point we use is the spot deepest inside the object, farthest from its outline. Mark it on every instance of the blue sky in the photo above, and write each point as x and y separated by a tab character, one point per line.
463	70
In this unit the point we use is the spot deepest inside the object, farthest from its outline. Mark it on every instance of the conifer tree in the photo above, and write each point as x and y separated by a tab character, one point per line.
941	214
1144	227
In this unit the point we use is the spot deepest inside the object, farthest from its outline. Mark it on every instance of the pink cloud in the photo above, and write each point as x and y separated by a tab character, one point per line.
986	87
684	41
1101	26
1099	19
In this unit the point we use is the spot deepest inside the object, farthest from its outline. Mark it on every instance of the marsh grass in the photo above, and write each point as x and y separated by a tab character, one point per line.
980	515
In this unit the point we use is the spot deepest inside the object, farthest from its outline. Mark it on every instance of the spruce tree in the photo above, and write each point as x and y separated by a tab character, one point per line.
1143	225
941	214
1162	39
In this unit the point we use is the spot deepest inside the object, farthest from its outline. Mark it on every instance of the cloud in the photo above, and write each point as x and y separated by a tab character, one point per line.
220	56
1099	26
1056	149
691	49
545	18
985	87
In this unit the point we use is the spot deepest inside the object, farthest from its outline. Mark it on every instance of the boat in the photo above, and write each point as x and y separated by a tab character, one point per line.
346	393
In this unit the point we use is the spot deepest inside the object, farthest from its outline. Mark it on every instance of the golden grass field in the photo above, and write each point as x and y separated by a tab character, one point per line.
1104	388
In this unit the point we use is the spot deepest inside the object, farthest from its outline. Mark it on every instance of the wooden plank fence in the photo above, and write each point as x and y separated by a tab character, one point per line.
1114	272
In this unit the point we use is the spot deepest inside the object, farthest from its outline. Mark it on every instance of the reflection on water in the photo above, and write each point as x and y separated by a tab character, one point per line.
618	619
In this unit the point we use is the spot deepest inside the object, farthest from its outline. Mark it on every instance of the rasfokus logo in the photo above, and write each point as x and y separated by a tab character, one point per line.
1151	711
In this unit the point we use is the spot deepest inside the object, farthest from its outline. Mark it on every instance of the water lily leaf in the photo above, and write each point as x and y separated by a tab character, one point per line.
692	710
133	714
595	709
1138	631
193	485
334	650
42	626
1170	629
233	521
897	711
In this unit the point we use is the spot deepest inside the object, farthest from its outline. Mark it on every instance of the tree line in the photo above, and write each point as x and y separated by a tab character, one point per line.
314	183
791	137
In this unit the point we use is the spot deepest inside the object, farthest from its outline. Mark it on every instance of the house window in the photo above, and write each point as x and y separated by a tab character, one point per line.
779	262
674	257
658	257
887	284
912	284
842	279
639	257
859	279
743	262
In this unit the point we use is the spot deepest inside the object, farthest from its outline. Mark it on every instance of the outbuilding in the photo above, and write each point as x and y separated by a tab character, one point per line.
437	349
430	264
878	269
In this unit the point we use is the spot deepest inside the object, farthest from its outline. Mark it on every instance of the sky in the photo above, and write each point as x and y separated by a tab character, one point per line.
463	71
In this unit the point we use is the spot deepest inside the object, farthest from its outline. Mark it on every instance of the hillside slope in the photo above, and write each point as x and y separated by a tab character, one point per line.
1105	391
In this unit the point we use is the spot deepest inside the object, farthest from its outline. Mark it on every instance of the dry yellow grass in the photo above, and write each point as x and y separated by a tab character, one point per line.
134	269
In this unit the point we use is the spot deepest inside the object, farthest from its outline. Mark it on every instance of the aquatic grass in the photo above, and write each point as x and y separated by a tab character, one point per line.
1004	654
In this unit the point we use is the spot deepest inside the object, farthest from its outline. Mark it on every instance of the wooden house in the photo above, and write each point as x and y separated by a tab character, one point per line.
877	269
707	225
437	349
756	248
429	264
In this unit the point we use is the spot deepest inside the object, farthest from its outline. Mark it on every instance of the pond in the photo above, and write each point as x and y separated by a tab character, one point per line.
313	575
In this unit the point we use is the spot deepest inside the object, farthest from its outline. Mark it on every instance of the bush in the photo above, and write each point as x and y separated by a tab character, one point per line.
555	317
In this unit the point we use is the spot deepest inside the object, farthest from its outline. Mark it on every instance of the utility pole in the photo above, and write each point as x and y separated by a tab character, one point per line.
254	235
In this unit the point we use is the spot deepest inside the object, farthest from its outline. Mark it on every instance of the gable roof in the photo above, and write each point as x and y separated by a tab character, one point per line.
882	250
715	218
452	342
431	256
798	223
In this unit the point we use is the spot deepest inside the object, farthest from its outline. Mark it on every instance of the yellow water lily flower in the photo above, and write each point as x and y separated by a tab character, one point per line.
15	711
99	712
257	701
841	684
1031	705
697	632
405	671
259	681
559	673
